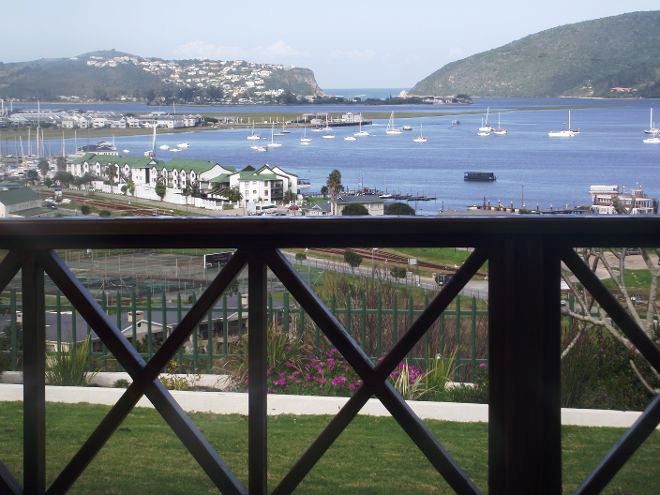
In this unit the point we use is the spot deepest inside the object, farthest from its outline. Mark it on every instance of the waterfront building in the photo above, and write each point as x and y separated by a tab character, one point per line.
374	204
612	200
264	186
22	202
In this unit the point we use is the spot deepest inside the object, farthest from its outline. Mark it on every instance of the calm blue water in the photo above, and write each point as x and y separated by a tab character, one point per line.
547	171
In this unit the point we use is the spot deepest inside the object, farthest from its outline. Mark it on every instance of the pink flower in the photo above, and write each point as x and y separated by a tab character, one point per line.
280	382
339	381
482	365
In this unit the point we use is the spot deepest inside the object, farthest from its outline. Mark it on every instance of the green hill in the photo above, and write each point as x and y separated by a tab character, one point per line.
583	59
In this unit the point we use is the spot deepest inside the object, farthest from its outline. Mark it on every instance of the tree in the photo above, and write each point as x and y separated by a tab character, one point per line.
334	187
111	174
353	259
300	257
398	272
32	176
641	303
161	189
231	194
43	167
324	191
104	213
64	178
289	197
61	164
85	209
399	209
354	209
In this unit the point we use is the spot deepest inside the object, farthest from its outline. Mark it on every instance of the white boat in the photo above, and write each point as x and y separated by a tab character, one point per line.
652	140
164	147
125	151
421	138
485	128
361	133
568	132
407	128
499	130
653	130
260	149
272	143
327	129
174	150
253	136
182	146
483	133
391	130
305	140
350	138
284	129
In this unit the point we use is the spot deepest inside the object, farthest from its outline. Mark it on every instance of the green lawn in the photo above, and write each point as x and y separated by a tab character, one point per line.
374	456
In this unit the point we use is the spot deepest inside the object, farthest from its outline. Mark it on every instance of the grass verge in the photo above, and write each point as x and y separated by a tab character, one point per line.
373	456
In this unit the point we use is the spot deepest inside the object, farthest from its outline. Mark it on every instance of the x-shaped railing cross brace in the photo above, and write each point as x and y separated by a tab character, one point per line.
144	375
375	377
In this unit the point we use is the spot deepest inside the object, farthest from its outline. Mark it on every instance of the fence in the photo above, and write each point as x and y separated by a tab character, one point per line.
149	321
525	257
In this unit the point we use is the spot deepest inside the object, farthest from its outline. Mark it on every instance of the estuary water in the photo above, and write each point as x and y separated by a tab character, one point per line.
529	165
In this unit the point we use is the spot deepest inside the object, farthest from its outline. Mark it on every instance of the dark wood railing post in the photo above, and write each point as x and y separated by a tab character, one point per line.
34	376
524	373
257	386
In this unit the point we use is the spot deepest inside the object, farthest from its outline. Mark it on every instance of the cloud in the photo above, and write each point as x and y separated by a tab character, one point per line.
278	51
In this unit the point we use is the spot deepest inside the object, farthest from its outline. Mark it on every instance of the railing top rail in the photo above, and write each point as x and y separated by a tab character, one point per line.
163	232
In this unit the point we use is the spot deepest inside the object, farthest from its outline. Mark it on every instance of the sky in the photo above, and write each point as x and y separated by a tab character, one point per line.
347	43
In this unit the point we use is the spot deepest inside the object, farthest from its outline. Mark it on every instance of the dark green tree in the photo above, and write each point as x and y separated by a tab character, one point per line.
399	209
352	259
43	166
354	209
161	190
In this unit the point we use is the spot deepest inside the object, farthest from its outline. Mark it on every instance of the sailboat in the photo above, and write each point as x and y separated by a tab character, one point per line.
152	152
568	132
253	136
361	133
272	143
327	129
499	130
485	128
655	131
305	140
421	138
391	130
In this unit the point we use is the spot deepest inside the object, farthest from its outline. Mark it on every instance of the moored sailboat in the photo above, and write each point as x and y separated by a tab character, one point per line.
391	129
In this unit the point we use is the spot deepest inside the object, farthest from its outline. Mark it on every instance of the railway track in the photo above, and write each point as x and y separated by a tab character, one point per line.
397	259
103	204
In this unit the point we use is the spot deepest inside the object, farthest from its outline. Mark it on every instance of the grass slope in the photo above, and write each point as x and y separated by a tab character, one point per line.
373	456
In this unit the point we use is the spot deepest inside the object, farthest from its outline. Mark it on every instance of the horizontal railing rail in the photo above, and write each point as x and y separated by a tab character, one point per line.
525	258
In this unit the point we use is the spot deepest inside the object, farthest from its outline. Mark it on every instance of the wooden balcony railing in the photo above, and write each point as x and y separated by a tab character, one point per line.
524	255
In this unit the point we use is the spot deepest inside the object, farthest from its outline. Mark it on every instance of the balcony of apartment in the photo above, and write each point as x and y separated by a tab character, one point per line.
522	259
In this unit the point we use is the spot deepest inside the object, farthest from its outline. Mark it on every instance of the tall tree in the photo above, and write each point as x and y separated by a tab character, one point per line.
354	209
334	187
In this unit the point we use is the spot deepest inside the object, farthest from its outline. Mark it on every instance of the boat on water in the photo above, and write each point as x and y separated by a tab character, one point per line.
391	129
407	127
350	138
568	132
485	128
327	129
479	176
253	136
272	143
126	151
174	150
420	138
305	140
164	147
499	130
652	140
183	146
361	133
653	130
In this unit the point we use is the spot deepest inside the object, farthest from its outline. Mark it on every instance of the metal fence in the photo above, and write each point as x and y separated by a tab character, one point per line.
147	322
